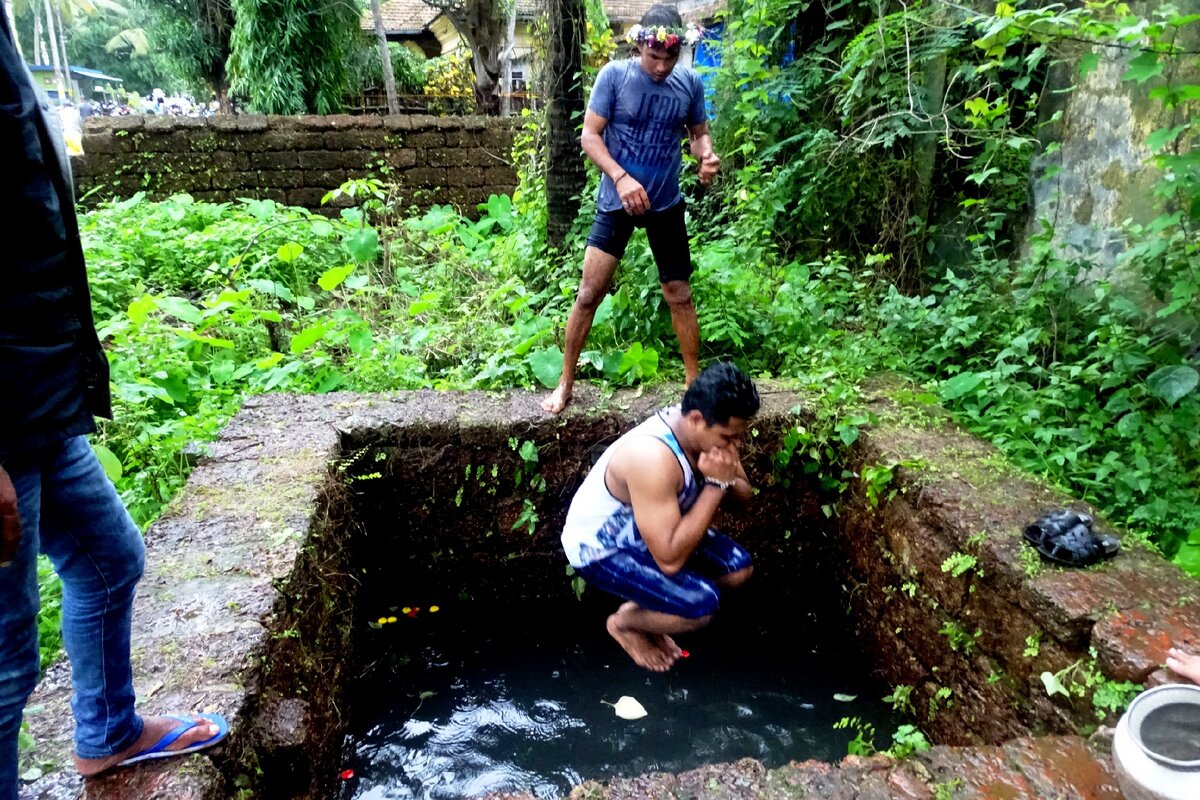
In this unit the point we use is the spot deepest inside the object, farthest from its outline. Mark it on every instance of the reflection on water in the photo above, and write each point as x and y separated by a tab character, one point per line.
496	706
1173	731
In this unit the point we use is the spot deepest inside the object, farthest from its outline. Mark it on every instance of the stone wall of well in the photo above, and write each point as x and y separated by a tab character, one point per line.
297	160
247	605
952	602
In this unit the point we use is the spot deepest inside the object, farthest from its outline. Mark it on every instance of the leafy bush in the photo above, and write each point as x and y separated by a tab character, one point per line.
407	66
450	83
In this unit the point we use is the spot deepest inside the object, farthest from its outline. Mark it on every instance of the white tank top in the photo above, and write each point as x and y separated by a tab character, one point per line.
599	524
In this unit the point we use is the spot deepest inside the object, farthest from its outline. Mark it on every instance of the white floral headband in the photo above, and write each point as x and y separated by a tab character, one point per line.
663	37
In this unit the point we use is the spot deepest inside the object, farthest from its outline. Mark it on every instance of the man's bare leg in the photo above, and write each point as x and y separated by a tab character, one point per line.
1184	664
678	295
598	269
646	635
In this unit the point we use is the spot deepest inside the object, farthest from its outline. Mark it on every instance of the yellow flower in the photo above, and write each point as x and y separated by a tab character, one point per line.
391	619
405	610
383	620
434	609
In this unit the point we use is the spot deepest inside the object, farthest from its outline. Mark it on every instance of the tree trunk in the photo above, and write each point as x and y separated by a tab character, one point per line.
565	172
12	26
924	160
510	41
40	54
385	58
54	59
483	30
62	42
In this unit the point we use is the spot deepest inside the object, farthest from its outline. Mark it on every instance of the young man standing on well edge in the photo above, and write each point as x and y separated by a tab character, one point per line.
633	128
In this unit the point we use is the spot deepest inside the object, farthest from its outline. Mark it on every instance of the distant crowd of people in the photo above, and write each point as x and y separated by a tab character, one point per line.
157	102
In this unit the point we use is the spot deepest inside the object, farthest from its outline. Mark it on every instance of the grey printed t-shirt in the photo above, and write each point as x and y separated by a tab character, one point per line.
646	125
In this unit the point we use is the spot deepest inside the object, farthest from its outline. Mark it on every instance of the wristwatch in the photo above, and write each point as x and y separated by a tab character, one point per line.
722	485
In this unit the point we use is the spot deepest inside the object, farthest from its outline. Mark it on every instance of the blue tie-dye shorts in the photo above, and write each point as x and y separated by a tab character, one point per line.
632	574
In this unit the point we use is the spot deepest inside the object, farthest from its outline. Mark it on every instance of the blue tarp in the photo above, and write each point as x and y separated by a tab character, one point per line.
78	72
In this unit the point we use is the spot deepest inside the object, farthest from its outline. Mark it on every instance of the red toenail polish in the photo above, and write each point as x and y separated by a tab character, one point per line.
684	654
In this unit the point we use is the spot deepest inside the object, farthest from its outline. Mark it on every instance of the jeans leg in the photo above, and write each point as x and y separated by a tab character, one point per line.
99	554
18	620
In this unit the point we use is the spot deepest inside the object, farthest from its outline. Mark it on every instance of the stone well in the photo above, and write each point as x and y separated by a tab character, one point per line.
248	604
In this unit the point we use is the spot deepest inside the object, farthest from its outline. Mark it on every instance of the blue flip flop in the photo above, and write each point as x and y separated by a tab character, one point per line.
186	723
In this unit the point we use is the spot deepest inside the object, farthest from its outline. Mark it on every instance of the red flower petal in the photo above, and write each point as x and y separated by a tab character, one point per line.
346	774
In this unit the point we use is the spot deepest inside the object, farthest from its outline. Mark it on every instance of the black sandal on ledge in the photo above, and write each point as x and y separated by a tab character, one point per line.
1065	537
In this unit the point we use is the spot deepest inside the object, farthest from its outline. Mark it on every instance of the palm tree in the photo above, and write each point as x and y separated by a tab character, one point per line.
56	11
385	58
61	70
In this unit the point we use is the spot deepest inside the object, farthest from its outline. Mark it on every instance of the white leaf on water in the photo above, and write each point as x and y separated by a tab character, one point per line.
627	708
845	698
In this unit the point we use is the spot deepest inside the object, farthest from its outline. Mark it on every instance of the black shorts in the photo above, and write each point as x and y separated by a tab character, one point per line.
665	230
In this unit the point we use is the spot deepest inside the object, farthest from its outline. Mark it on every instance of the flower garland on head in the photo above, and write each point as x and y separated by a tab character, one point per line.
661	37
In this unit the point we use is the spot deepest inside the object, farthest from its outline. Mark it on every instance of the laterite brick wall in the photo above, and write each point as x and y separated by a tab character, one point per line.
296	160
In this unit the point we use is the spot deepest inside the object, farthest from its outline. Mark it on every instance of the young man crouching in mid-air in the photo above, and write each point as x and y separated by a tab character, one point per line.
639	526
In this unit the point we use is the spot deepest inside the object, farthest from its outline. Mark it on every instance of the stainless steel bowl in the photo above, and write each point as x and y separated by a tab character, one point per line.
1153	699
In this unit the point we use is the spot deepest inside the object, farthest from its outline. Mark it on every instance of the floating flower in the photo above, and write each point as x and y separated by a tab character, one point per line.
391	619
434	609
405	610
383	620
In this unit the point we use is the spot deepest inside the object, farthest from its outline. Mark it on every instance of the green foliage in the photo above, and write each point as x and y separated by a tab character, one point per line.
1030	561
958	637
88	45
577	582
863	743
528	518
945	790
901	699
942	698
958	564
49	621
1083	678
292	56
907	739
408	67
878	482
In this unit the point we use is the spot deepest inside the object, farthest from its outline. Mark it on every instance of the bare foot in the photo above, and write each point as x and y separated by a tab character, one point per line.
668	646
644	651
1184	664
155	729
557	400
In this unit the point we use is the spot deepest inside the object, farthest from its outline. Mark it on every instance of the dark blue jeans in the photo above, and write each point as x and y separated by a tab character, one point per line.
71	512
